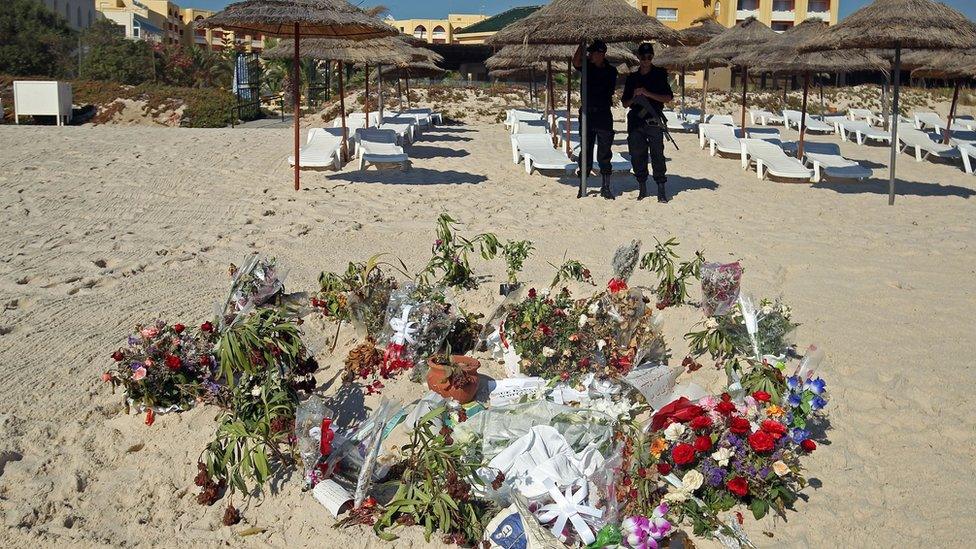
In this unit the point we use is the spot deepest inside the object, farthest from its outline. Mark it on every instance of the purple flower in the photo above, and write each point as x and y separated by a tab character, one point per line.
794	400
818	402
793	383
799	435
135	366
134	340
716	477
817	386
764	472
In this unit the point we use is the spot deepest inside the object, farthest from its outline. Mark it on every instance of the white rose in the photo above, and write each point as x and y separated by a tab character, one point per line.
692	481
722	456
594	308
582	320
674	431
767	309
256	391
780	468
675	497
711	323
601	344
548	352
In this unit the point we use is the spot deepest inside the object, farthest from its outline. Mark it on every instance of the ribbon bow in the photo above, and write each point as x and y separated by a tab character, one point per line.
403	329
569	507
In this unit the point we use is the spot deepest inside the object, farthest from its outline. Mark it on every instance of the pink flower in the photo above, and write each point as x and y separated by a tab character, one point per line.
708	402
139	373
106	377
149	332
148	362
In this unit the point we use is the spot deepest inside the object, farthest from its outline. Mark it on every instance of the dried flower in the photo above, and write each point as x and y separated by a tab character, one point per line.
231	516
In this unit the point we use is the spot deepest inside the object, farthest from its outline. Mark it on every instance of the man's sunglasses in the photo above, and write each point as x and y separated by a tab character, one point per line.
647	56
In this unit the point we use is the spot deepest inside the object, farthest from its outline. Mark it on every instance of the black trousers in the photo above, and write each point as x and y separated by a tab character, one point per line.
599	131
641	141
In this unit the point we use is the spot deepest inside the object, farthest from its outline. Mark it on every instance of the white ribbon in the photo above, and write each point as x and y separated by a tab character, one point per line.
403	329
569	507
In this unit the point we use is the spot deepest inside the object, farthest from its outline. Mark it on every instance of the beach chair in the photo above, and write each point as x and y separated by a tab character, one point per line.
431	116
825	158
530	126
767	134
772	161
865	115
537	152
764	117
677	123
691	115
378	146
834	120
720	139
725	119
358	120
793	119
513	116
932	121
968	153
924	146
421	117
321	149
862	131
404	127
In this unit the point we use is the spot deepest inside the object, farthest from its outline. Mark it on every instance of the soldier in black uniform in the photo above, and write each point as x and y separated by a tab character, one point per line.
601	82
651	82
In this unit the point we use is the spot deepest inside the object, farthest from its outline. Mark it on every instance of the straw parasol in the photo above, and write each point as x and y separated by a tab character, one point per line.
744	36
921	24
782	55
576	22
701	30
389	50
679	58
956	65
297	18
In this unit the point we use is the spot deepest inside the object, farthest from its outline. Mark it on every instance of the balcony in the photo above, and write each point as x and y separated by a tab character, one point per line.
745	14
819	9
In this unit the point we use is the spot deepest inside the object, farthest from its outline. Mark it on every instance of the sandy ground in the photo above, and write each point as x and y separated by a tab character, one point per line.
104	227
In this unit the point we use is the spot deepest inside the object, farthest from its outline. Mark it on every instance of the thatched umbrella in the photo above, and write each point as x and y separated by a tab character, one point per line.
679	58
576	22
782	55
295	19
898	24
956	65
742	37
343	51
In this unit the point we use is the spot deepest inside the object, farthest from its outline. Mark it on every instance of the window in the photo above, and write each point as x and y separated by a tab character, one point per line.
748	5
420	32
718	8
783	5
78	15
667	14
818	6
780	26
644	9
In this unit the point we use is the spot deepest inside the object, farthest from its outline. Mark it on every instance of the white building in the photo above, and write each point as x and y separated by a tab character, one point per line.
80	14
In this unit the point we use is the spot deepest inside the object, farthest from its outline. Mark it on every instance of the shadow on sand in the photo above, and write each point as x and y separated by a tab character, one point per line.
625	183
424	152
416	176
432	137
902	187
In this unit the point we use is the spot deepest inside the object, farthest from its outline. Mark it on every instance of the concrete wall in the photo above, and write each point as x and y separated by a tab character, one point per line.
80	14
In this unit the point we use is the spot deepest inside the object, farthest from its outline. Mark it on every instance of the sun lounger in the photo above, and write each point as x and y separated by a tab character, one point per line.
793	120
530	126
834	120
768	134
321	149
719	138
404	127
825	158
924	145
431	116
862	131
968	153
538	153
865	115
423	118
378	146
358	120
764	117
932	121
513	116
677	123
691	115
771	160
725	119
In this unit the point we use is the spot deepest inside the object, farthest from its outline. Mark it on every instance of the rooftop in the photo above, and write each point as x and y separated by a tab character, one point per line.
495	23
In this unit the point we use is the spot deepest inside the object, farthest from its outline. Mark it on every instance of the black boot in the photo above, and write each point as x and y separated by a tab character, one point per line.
662	195
605	191
642	185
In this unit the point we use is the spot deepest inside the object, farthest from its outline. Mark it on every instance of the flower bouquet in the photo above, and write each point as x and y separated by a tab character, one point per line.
257	283
726	338
720	287
166	367
359	295
418	320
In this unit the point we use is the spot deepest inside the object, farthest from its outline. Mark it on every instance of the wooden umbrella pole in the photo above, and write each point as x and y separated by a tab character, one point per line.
896	77
379	88
366	103
745	85
296	97
704	91
569	105
550	106
786	87
406	80
399	91
342	115
584	102
823	107
952	113
682	89
803	115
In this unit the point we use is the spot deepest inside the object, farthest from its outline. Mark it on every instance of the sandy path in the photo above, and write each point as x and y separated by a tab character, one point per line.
104	227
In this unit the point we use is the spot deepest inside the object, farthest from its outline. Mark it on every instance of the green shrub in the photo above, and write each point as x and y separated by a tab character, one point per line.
108	55
34	41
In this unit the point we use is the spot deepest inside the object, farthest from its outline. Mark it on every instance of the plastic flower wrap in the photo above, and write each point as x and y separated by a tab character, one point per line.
308	433
418	320
256	283
720	287
624	262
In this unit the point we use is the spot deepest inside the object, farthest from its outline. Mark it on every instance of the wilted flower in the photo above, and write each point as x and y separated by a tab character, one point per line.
139	373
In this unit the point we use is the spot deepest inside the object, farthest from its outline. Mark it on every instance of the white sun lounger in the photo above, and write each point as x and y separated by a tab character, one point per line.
378	146
793	120
865	115
531	126
932	121
429	114
862	132
725	119
358	120
825	158
405	128
321	149
767	134
513	116
764	117
537	152
771	160
719	138
968	153
924	146
834	120
423	118
677	123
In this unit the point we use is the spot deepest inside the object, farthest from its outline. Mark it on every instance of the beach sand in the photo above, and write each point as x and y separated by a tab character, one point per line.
109	226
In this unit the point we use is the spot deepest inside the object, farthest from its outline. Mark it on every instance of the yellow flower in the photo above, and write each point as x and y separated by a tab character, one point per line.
774	411
658	446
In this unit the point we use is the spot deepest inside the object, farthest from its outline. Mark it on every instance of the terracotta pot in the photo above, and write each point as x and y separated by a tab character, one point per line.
437	379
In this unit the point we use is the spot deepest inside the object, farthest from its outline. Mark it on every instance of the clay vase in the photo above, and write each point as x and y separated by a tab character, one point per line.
437	379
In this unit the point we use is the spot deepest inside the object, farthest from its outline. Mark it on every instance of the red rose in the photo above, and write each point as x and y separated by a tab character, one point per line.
726	397
808	445
532	293
207	326
616	285
701	422
740	426
663	468
172	362
775	429
178	328
761	396
703	443
117	356
738	486
683	453
725	408
680	411
642	472
761	442
205	361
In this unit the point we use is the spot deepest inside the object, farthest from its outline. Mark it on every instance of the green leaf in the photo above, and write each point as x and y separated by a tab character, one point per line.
759	508
261	464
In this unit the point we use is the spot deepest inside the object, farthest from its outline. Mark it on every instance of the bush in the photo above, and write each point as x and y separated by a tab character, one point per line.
34	41
111	57
205	108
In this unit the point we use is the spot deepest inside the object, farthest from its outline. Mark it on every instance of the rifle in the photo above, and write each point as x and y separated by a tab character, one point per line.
652	116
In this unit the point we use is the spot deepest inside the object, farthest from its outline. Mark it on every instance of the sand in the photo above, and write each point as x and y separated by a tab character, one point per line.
108	226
